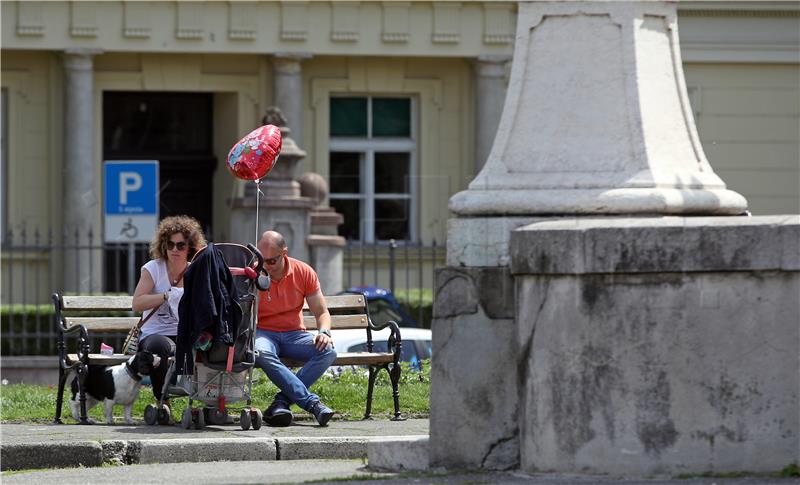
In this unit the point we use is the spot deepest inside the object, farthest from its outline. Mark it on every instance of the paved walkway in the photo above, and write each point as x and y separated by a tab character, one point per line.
225	454
324	471
29	446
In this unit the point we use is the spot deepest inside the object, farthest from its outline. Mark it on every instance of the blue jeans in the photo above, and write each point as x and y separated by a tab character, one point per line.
297	345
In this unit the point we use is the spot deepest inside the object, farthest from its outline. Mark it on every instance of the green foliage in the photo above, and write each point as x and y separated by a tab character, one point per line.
31	329
788	471
26	323
45	309
416	301
791	470
346	394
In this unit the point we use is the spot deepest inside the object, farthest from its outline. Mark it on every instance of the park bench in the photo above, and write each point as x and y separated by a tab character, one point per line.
83	316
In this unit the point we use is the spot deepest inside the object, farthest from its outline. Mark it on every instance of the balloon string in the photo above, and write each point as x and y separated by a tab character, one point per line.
255	306
258	194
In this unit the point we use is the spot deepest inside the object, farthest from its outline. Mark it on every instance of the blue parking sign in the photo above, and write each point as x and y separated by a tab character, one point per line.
130	200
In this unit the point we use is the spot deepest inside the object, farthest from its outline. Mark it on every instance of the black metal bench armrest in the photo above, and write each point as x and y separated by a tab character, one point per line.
394	342
83	336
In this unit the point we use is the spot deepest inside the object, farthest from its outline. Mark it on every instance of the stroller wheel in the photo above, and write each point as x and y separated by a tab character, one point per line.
201	419
150	415
164	415
186	418
257	418
244	420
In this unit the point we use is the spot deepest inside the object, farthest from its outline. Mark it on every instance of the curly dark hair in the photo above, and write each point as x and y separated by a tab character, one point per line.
188	226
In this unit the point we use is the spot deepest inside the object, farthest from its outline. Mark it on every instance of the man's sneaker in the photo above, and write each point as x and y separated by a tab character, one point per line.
322	412
278	414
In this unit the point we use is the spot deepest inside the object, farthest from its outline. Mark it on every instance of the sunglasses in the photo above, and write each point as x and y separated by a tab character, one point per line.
179	245
272	261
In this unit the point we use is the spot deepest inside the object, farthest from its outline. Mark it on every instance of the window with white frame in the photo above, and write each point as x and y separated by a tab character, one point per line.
372	166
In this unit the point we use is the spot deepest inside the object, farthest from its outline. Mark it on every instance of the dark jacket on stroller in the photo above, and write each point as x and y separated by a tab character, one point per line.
209	304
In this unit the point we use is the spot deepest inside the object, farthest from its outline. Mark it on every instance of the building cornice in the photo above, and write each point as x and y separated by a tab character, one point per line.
387	28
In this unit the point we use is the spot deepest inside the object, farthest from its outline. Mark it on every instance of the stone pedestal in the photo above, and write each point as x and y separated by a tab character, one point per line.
474	398
327	257
558	349
289	216
324	242
597	119
658	345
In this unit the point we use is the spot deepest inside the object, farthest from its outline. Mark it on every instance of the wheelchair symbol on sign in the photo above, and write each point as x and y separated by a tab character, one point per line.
129	230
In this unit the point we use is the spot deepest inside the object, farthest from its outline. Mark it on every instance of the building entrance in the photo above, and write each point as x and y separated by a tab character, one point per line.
175	129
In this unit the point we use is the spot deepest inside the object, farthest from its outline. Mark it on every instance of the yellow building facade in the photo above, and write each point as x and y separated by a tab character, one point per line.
440	67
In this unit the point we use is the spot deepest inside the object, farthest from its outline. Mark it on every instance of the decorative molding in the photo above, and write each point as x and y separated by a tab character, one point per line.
83	22
344	22
29	19
446	23
190	21
498	24
395	22
241	21
294	21
136	20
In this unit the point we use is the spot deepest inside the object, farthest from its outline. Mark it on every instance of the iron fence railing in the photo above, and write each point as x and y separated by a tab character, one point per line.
34	262
405	268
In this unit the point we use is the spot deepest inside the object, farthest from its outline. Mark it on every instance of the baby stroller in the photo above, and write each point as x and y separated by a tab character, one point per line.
222	374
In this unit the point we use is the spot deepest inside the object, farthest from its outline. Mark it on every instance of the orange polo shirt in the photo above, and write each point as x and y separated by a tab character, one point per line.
280	309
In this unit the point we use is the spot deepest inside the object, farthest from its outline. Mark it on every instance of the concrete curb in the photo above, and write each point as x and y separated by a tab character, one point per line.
178	450
348	447
51	455
194	450
398	453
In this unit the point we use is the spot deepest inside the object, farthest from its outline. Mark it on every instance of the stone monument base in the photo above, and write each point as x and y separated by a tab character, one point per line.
660	345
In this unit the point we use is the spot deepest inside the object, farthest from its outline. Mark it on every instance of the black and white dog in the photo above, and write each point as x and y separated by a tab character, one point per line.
117	384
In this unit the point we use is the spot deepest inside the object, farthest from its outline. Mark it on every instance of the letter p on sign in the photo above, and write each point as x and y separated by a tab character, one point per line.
128	182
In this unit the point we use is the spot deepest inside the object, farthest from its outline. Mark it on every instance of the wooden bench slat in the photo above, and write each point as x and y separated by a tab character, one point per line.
99	302
101	359
103	324
352	358
363	358
339	321
342	303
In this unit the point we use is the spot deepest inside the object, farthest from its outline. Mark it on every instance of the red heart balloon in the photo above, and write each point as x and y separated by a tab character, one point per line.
253	156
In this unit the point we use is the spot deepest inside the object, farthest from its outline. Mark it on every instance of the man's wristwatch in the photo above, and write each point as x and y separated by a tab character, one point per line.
326	332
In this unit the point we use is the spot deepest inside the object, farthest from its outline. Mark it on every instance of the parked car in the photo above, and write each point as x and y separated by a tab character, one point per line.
415	343
383	306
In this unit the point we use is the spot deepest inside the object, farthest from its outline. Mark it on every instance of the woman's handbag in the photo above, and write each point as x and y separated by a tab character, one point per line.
131	344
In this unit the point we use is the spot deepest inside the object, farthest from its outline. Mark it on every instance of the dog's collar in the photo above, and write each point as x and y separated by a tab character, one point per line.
133	374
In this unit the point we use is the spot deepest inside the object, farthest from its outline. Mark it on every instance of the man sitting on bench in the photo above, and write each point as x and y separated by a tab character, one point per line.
281	333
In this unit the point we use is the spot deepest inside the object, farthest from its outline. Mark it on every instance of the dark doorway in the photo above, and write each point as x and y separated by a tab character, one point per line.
176	130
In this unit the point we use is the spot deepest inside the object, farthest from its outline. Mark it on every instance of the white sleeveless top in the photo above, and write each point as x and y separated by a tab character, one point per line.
165	321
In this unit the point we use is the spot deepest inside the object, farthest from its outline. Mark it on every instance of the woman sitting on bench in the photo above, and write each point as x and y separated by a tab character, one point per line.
160	288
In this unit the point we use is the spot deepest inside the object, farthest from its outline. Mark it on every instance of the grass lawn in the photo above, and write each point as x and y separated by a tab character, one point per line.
346	394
